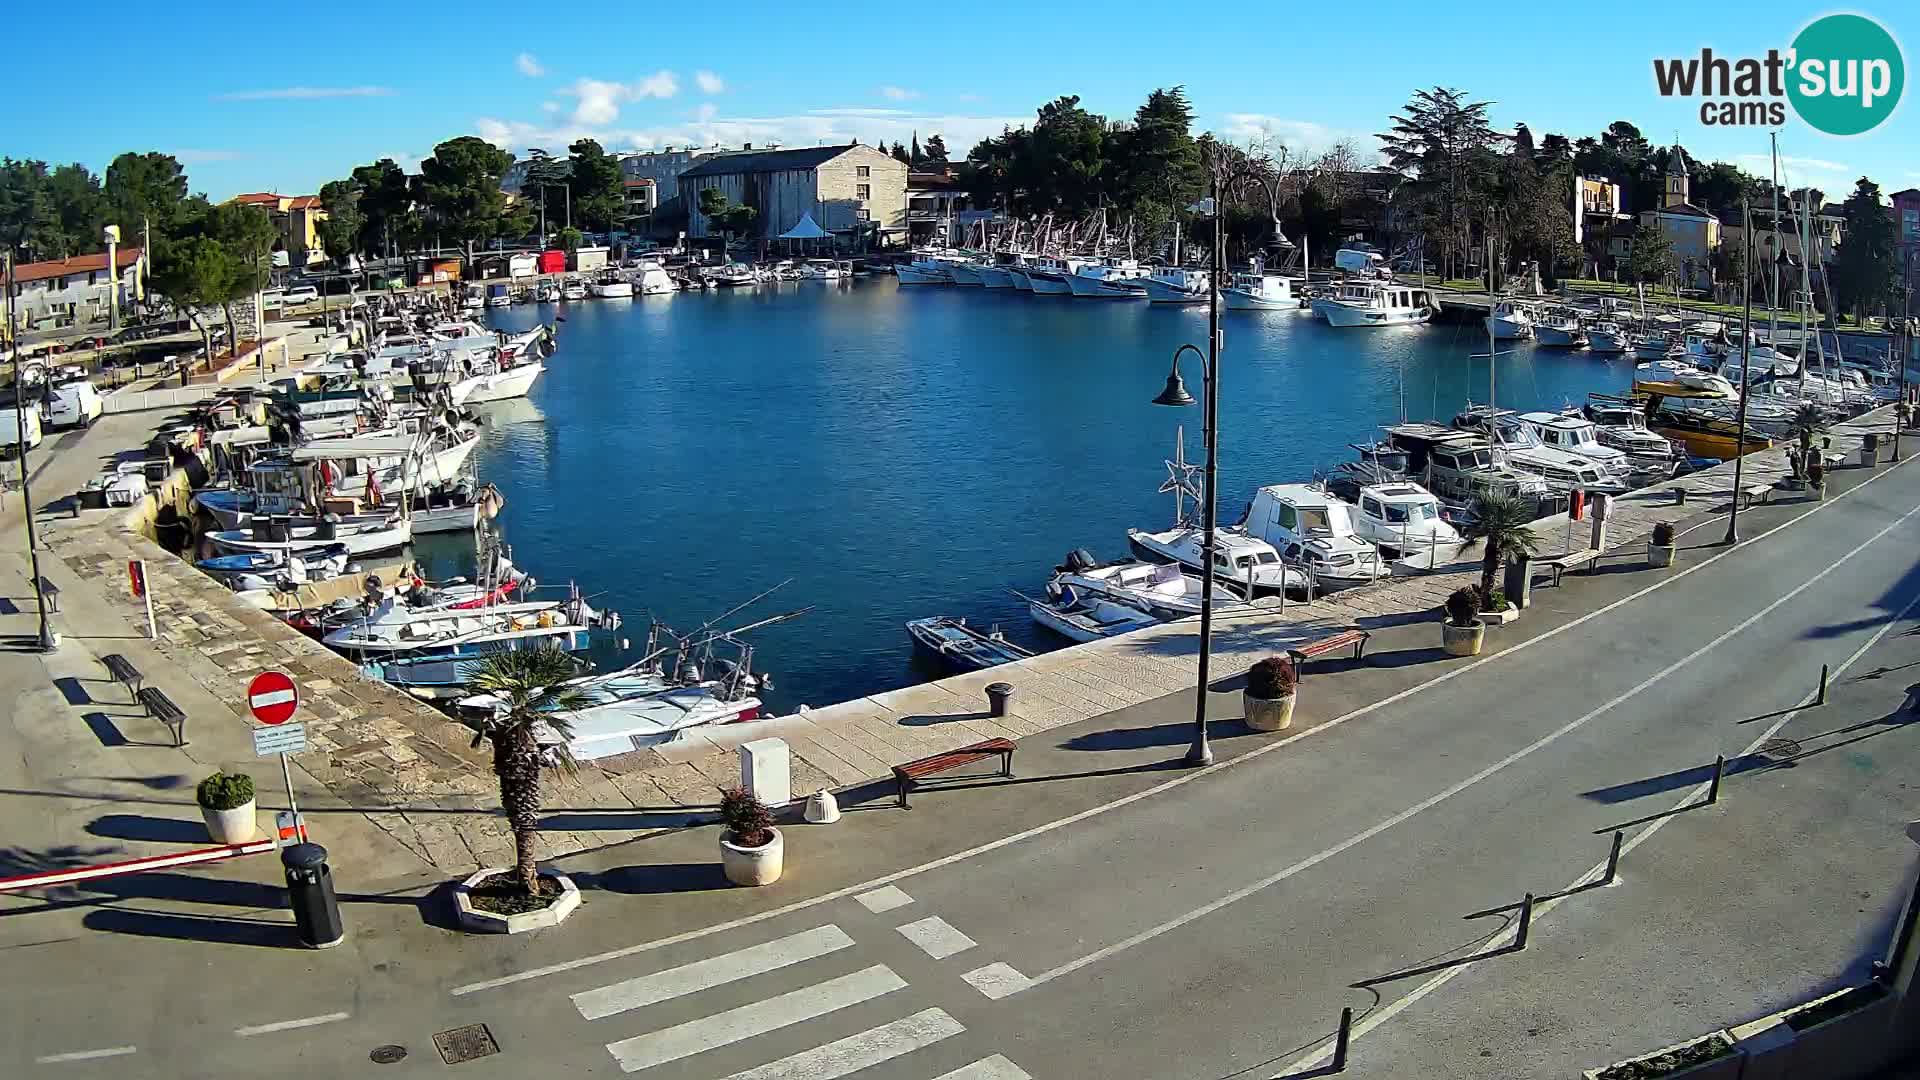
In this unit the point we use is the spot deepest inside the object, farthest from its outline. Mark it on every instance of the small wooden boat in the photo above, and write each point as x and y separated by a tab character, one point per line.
960	647
1087	618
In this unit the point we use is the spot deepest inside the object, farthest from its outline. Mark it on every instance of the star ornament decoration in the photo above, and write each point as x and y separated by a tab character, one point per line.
1182	477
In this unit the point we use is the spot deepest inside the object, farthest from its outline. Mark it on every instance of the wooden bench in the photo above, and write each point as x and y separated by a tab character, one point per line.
1355	638
122	671
907	776
1558	565
52	592
1833	459
1762	493
161	708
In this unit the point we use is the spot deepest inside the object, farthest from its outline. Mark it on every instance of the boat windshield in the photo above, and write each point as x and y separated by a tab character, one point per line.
1512	433
1315	522
1411	513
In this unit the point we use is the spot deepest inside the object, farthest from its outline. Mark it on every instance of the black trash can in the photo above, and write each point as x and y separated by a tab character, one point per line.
316	914
999	695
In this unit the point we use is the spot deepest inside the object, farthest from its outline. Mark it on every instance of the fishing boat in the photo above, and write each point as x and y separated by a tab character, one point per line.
1404	519
638	707
1376	303
1109	279
732	275
964	273
1560	329
1261	291
494	378
1048	274
926	268
1312	529
263	569
1087	618
1163	590
1178	285
960	647
1509	321
359	538
1606	338
393	629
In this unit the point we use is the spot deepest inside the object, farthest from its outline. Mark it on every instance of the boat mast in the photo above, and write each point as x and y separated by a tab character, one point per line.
1773	309
1493	343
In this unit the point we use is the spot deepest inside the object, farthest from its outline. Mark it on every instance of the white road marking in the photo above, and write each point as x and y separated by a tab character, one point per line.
1697	792
1431	801
289	1025
883	899
86	1055
997	980
715	971
856	1052
1256	753
756	1018
936	937
987	1068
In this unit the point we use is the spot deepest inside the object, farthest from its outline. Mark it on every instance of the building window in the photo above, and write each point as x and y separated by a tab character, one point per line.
862	214
863	192
863	170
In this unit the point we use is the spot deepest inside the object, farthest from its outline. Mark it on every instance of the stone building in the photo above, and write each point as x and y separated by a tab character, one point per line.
851	191
1694	231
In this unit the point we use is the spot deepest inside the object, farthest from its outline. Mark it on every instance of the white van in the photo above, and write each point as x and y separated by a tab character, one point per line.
10	432
73	404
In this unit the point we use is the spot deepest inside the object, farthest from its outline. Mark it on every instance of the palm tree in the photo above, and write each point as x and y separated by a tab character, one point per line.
1503	521
1808	421
531	685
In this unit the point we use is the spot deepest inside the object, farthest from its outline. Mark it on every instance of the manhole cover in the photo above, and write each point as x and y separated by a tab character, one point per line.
387	1055
465	1043
1780	749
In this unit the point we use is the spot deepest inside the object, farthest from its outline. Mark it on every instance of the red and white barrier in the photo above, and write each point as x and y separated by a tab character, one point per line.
50	878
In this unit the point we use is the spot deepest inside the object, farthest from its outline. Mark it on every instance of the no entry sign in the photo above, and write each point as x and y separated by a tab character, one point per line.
272	697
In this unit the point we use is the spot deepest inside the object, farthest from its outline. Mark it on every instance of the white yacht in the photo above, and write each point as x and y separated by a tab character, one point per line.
495	379
1087	618
1311	528
1509	321
1262	290
1376	303
1562	470
1404	519
573	290
1109	279
1176	285
611	286
653	279
1606	338
1622	424
1237	557
1576	434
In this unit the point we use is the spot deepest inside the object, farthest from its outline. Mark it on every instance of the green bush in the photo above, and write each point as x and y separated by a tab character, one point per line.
746	818
1463	607
225	791
1272	678
1663	535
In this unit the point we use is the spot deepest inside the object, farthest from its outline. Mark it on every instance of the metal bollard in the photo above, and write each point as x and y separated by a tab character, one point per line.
1526	922
998	696
1719	770
1613	859
1680	496
316	913
1341	1040
1821	698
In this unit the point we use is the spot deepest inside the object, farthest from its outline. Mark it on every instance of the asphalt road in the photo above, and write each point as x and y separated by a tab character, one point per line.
1113	917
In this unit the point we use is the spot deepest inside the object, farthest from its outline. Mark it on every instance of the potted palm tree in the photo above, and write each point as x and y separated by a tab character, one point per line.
1660	546
1463	633
226	805
1268	698
1502	521
1807	423
751	849
533	692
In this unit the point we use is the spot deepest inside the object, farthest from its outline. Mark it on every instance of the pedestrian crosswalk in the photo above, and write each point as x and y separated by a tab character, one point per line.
819	1003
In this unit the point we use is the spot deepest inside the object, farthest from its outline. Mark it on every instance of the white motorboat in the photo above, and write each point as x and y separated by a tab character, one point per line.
1262	291
360	538
1622	424
547	293
394	629
1461	466
611	288
1087	618
573	290
1651	346
1404	520
1523	449
262	569
1109	279
1313	529
1160	589
1047	275
732	275
1376	303
1561	329
1176	285
631	710
1510	321
492	380
1606	338
824	270
1576	434
653	279
1237	557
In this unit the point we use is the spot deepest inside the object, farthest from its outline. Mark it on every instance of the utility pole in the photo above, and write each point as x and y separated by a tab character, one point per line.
45	639
1746	356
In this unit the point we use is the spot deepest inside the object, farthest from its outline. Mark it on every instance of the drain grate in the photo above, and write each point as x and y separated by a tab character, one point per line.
465	1044
387	1055
1780	749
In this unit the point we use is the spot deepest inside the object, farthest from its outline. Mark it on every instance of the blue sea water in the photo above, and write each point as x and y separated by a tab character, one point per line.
906	452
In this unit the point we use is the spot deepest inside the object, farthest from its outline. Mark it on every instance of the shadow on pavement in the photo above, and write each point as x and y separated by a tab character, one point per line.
659	878
615	820
1175	734
1673	781
936	719
202	928
142	827
104	729
1393	658
71	689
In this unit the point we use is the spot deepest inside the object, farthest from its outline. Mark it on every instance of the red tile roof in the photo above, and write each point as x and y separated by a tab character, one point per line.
79	264
258	198
304	202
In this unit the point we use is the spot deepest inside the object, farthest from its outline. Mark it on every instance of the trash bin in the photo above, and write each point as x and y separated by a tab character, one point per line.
999	695
316	914
1519	582
1870	449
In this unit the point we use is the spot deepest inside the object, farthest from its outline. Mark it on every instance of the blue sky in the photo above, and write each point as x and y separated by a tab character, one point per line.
277	98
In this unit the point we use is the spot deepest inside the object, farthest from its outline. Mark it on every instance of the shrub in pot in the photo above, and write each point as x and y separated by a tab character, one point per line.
1463	633
226	805
1268	698
1660	547
751	849
1817	477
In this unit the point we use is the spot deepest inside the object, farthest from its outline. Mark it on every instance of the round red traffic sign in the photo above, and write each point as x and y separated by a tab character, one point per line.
272	697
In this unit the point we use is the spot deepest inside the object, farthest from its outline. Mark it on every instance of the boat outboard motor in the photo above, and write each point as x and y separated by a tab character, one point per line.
1079	560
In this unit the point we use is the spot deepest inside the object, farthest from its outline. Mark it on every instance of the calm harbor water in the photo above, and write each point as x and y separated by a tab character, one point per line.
909	452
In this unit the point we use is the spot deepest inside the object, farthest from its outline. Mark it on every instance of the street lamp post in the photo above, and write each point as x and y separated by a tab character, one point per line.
1746	355
45	637
1201	751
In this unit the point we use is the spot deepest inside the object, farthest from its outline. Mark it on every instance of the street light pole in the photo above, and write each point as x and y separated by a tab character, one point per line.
1201	752
1746	356
45	638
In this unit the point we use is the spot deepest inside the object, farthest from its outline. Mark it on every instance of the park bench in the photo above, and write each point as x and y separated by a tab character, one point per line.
122	671
1833	460
1558	565
1355	639
161	708
907	776
52	592
1752	493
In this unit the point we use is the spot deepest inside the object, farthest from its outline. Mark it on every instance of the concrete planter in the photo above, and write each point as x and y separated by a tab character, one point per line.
1766	1045
1660	556
1725	1067
1502	617
239	825
1268	714
488	922
1852	1043
753	866
1463	640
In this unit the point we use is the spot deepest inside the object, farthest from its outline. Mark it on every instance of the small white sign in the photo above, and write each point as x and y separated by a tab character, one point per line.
284	739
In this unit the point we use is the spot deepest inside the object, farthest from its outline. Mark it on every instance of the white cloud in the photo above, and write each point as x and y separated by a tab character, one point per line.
660	84
708	126
529	66
898	93
1301	137
549	107
706	112
198	157
600	100
859	112
303	93
709	83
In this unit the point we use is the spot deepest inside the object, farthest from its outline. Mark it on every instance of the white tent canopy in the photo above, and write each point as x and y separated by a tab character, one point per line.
805	230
